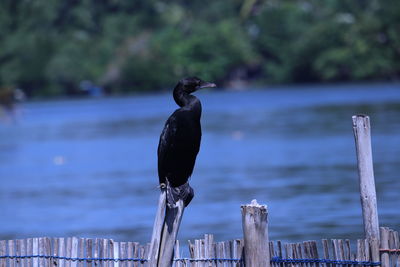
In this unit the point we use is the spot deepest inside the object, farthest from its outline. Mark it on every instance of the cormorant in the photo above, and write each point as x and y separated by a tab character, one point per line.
180	141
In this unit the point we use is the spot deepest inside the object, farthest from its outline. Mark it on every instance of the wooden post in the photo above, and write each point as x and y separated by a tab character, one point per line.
157	228
177	254
23	252
3	252
61	252
255	231
165	231
169	233
385	257
35	250
362	135
11	252
89	250
74	251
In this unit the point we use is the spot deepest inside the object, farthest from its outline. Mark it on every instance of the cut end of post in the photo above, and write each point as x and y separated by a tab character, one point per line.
360	115
254	207
360	119
254	203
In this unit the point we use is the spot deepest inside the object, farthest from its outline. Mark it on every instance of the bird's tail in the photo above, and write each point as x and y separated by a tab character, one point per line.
184	192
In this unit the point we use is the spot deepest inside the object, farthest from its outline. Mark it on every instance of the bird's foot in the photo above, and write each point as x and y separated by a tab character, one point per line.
174	194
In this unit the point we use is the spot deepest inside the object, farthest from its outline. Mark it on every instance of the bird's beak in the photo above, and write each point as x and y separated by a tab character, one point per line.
207	85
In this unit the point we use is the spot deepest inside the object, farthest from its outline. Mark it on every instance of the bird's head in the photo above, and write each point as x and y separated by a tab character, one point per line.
193	84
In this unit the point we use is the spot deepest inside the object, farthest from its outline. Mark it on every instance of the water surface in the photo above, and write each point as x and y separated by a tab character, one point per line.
88	167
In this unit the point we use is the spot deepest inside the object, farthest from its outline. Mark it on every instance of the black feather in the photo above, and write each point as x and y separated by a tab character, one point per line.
180	141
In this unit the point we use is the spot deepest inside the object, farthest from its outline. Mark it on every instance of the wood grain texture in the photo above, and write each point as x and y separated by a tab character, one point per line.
157	228
362	135
255	232
203	252
173	218
384	232
35	251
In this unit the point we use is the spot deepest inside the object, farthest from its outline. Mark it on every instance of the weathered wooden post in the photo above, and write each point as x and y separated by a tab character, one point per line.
157	228
3	252
385	257
169	233
255	232
165	231
362	135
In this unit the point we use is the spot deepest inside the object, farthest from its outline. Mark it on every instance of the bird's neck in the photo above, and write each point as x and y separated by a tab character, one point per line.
186	100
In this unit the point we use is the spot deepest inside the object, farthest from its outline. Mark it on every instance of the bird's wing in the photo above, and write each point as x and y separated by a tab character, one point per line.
167	140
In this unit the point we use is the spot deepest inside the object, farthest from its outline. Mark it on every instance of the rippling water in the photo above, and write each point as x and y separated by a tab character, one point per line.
88	167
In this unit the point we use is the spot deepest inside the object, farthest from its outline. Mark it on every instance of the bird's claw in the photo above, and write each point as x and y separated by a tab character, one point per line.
183	192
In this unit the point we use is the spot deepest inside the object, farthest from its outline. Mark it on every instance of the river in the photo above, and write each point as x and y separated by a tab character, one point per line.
88	167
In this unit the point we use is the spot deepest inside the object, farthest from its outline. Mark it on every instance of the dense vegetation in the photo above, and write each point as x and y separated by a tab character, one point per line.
49	47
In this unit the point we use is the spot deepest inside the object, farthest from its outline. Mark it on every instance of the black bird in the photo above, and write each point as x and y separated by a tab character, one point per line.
180	141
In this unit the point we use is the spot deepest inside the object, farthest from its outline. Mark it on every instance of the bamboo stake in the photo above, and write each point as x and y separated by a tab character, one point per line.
362	135
47	249
173	217
325	246
61	251
165	231
116	254
374	243
89	251
103	252
157	228
23	253
130	254
55	251
3	252
385	245
81	251
177	254
29	250
96	251
136	253
396	245
35	250
279	247
11	251
18	249
255	231
41	251
110	253
122	253
74	251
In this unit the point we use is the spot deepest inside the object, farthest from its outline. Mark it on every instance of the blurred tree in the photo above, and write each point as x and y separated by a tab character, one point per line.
48	48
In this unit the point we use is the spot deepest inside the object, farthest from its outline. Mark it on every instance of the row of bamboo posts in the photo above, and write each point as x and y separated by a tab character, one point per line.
381	246
74	252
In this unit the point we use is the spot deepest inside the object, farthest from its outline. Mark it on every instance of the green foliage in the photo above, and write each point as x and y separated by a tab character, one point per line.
328	41
49	47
